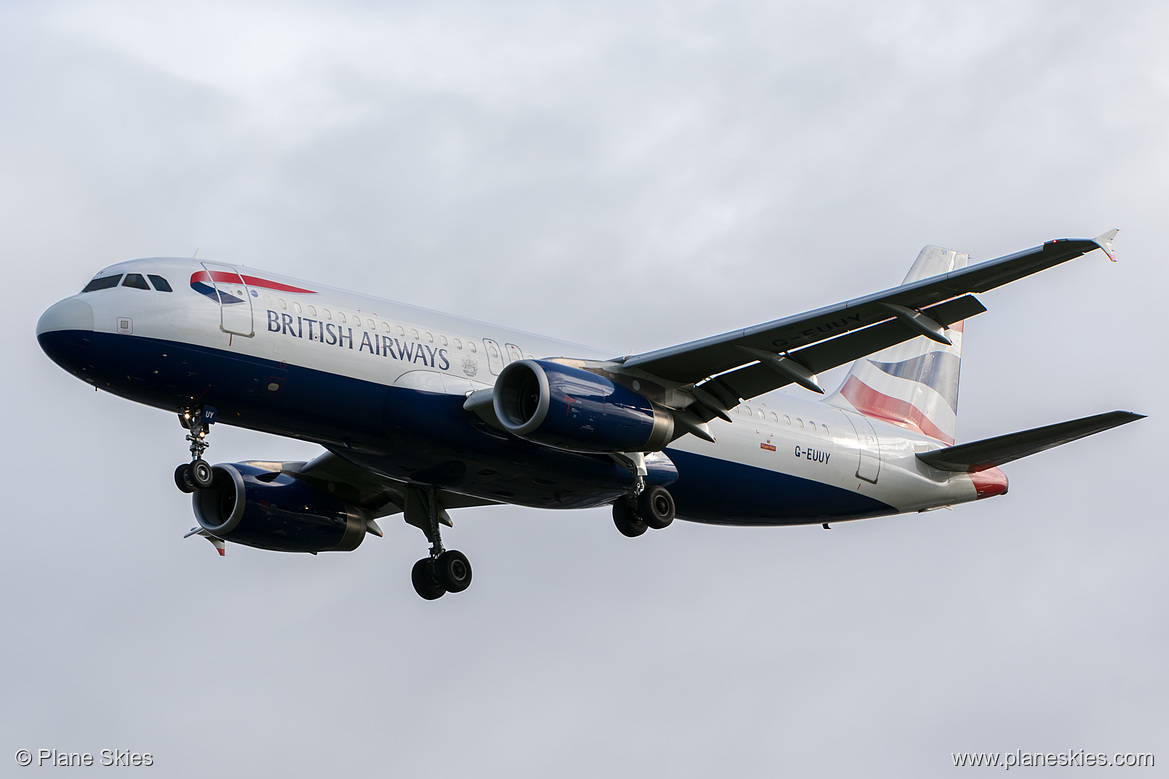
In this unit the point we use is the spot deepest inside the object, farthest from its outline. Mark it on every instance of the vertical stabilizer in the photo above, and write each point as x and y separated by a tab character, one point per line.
913	384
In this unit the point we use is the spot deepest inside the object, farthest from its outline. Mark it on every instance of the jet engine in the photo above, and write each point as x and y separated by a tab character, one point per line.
573	409
272	510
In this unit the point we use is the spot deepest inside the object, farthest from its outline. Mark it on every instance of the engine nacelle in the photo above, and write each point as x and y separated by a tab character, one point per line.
573	409
271	510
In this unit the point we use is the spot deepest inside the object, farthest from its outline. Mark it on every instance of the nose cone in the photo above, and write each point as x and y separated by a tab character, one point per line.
64	332
68	314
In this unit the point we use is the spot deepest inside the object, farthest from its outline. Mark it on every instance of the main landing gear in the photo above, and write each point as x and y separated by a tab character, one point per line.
445	570
197	474
653	508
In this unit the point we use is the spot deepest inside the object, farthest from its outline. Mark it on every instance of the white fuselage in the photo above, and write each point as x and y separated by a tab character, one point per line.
334	333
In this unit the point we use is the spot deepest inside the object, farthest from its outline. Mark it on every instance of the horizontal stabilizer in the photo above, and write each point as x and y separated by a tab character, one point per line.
1002	449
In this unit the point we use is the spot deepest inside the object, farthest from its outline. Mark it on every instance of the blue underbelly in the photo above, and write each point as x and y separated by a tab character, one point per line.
727	493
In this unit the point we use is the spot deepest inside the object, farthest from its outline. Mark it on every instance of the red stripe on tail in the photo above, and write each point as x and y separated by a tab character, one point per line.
871	403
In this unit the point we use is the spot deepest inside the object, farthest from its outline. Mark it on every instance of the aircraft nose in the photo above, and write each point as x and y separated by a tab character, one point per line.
64	332
68	314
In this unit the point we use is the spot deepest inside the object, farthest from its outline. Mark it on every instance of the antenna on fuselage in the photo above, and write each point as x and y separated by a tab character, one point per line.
196	255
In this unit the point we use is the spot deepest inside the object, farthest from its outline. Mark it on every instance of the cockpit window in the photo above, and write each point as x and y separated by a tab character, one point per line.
105	282
160	284
136	281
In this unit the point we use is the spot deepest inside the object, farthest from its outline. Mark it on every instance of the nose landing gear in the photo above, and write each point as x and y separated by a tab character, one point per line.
197	474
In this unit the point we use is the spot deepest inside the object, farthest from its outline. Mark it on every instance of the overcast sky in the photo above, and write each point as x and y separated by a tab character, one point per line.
628	175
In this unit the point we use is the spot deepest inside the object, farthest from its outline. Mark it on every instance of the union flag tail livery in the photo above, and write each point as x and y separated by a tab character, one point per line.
915	383
421	413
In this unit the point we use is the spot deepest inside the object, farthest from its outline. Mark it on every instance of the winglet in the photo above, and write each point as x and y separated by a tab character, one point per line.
1105	243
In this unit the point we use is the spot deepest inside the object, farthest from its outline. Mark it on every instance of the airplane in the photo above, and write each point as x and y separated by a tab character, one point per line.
420	413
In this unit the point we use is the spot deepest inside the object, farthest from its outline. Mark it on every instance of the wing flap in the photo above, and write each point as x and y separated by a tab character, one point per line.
759	378
991	452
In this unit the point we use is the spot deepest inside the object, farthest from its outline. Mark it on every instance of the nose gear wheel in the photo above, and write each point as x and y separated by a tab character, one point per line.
197	474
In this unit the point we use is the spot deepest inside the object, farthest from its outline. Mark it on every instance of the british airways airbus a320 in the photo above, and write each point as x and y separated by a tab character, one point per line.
420	413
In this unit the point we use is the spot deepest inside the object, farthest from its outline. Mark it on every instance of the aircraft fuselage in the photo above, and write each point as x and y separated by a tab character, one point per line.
383	385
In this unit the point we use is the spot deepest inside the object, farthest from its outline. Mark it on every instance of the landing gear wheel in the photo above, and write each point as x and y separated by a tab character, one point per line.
196	420
201	474
453	570
626	519
655	506
183	479
425	581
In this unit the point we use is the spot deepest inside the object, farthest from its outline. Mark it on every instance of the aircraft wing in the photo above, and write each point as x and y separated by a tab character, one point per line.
721	370
379	496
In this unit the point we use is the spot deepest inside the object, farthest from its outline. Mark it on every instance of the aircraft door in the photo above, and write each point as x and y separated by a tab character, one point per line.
869	465
235	299
494	356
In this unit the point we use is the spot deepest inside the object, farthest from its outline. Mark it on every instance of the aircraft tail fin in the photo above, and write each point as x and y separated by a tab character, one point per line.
913	384
992	452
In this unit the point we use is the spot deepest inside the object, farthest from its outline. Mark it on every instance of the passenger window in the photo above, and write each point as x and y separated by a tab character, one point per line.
472	347
160	284
341	317
812	425
429	338
328	314
774	417
824	429
762	414
800	422
414	334
786	419
283	305
442	340
458	344
372	324
401	330
385	327
136	281
106	282
312	310
295	307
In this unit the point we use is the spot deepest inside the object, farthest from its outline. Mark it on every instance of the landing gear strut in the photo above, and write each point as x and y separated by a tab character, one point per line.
197	474
445	570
